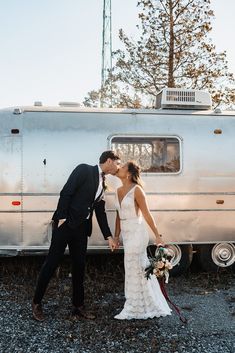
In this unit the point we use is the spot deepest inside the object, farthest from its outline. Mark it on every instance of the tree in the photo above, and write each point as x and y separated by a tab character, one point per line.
117	97
174	50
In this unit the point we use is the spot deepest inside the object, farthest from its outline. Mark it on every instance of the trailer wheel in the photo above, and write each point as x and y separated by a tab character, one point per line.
181	257
213	256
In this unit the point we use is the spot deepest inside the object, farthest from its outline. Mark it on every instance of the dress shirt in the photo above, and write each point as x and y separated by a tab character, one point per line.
100	185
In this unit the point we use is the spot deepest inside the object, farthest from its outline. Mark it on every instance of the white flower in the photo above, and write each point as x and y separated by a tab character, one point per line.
166	252
160	264
168	265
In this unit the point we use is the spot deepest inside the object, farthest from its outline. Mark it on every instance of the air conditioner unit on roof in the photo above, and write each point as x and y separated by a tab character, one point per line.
173	98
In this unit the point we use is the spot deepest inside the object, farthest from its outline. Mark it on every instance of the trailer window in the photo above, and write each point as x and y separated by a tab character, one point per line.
153	154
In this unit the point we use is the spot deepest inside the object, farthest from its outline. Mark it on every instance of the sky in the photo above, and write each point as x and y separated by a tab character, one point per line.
51	49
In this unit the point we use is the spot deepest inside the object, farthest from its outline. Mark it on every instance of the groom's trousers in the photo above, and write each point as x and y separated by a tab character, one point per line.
76	239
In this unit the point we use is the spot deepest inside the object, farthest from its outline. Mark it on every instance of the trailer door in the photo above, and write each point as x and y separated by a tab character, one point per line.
10	181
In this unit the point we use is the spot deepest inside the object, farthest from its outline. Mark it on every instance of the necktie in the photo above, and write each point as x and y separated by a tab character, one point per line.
103	180
102	189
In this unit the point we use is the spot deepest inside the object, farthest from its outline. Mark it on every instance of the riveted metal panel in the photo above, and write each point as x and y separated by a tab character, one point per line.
196	204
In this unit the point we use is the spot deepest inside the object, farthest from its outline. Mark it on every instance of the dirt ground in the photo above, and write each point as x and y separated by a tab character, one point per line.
207	300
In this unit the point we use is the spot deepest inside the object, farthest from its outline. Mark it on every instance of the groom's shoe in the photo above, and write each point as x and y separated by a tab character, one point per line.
37	312
80	312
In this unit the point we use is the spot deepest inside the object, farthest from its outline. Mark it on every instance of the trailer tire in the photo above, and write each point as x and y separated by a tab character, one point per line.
183	257
185	260
205	257
233	268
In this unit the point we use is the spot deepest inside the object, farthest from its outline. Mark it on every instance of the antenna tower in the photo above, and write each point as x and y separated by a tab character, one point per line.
106	53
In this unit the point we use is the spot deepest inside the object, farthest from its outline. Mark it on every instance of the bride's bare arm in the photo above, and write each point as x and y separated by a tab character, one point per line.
141	201
117	229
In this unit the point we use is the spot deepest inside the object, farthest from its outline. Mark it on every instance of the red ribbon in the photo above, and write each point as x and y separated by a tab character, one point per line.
164	292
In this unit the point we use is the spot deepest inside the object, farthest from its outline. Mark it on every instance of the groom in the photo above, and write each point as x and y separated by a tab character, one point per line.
81	195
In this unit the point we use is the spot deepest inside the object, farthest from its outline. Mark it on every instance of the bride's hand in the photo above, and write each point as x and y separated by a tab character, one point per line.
112	244
117	242
159	241
160	244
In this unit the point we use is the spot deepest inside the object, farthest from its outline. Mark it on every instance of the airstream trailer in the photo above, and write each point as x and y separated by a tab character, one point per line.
186	152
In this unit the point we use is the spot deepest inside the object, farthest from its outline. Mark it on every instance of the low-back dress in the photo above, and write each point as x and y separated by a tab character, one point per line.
144	298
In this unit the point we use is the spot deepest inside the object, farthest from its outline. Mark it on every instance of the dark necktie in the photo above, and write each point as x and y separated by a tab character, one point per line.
103	188
103	180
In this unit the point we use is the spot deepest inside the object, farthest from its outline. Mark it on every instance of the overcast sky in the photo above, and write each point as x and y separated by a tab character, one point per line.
51	49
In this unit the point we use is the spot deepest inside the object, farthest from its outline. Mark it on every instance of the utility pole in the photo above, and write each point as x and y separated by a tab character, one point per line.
106	53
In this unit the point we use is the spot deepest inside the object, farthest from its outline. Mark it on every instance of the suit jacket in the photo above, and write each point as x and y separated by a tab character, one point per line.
77	200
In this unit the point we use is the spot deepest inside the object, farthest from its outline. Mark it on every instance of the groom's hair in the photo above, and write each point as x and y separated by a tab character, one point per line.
108	154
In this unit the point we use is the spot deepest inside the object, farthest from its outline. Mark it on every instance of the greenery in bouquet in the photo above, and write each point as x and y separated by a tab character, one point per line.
160	264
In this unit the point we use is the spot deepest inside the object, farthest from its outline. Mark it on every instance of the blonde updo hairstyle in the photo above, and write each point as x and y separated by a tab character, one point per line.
134	170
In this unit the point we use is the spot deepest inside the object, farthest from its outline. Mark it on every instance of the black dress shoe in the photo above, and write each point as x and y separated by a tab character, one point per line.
80	312
37	312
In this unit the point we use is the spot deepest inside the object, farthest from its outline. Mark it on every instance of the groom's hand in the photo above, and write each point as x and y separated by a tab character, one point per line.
112	244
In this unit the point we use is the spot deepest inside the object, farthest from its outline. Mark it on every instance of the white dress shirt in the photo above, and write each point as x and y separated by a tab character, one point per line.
100	185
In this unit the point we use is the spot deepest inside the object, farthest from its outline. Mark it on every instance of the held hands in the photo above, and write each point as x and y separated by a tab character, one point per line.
113	243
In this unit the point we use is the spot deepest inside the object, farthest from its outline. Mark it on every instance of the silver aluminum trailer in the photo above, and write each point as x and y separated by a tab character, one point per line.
188	162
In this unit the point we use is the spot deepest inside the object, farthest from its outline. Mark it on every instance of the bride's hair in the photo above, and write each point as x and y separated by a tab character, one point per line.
134	170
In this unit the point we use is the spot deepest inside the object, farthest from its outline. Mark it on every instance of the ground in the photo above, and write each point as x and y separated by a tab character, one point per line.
207	300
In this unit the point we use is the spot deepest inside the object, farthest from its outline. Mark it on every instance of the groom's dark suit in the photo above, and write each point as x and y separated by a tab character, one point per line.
76	204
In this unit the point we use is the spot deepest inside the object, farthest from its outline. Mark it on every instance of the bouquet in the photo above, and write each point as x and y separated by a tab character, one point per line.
160	264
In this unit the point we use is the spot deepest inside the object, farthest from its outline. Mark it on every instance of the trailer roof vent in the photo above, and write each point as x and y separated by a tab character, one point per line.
38	104
173	98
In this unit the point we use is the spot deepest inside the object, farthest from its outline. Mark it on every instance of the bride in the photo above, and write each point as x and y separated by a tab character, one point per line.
144	298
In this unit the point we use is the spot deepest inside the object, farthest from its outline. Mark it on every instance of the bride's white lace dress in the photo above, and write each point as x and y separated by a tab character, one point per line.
144	298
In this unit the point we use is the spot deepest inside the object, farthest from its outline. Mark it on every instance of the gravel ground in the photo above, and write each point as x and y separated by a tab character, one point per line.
207	300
